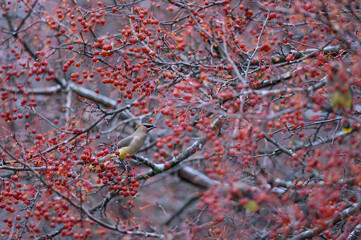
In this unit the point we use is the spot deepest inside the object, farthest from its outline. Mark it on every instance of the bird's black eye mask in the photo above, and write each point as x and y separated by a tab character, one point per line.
146	125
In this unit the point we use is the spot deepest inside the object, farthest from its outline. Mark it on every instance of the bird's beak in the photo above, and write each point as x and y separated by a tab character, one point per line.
152	127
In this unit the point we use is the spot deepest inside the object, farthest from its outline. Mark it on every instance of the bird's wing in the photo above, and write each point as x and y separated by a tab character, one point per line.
125	142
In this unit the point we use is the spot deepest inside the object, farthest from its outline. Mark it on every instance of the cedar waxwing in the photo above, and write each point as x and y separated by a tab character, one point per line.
338	86
132	144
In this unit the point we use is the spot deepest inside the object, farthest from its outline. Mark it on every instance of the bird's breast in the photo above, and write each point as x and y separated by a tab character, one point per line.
136	144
